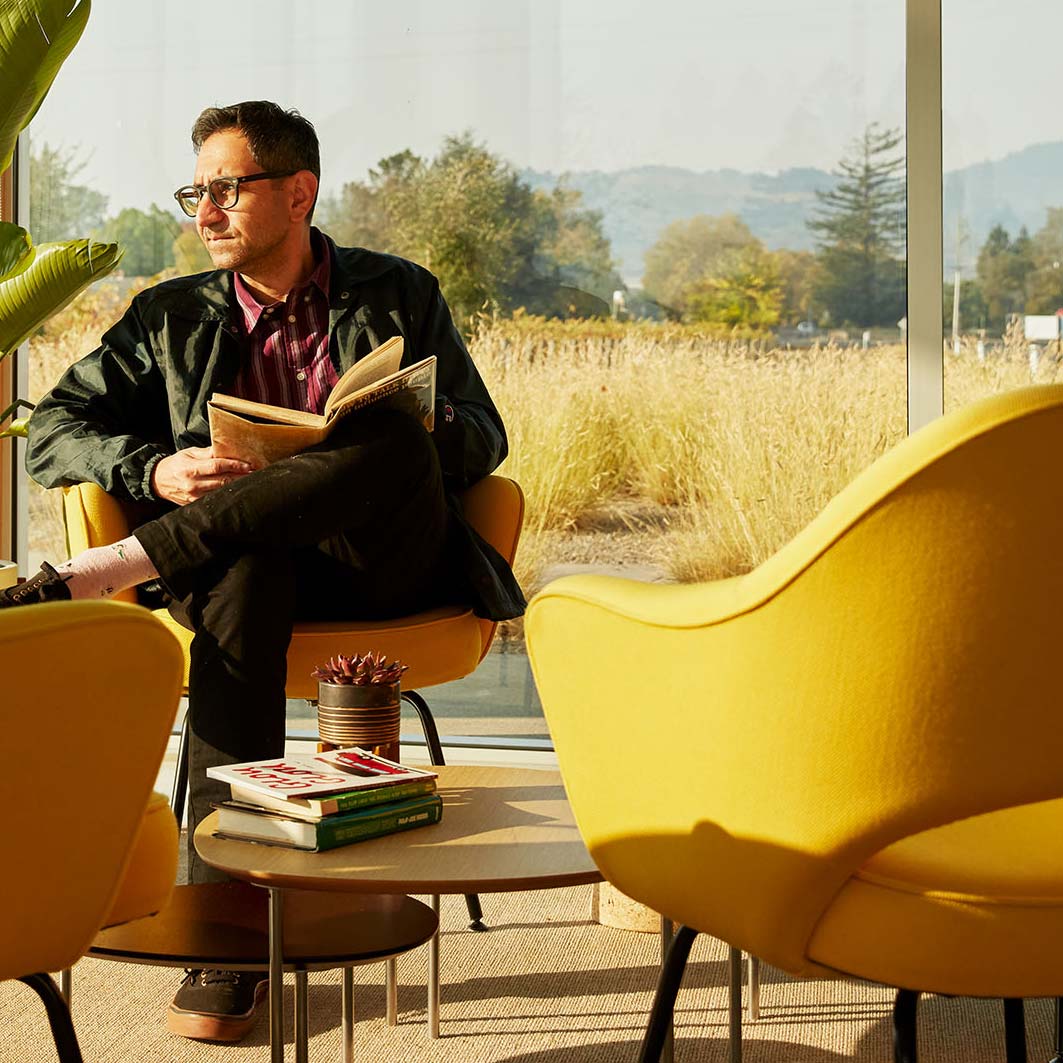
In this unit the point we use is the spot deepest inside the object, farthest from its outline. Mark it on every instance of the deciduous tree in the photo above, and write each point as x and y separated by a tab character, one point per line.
491	240
1004	267
59	204
691	251
147	237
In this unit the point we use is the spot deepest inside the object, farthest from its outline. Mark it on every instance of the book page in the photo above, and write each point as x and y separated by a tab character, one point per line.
377	364
416	384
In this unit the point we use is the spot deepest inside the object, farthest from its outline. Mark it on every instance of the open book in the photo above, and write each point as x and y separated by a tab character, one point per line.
260	433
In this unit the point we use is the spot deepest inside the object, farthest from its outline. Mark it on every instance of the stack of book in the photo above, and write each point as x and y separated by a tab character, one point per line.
324	800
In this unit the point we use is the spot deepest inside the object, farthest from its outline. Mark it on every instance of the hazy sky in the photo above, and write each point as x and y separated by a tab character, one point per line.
551	84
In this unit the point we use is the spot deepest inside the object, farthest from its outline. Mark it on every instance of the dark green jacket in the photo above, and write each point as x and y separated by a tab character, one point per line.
142	394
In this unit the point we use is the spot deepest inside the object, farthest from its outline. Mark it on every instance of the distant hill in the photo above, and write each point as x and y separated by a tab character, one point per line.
638	203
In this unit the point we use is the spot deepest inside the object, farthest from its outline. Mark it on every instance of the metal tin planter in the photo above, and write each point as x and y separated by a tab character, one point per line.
366	716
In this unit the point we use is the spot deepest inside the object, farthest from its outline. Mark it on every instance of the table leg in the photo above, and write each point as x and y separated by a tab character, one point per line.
735	1020
276	974
433	976
754	988
347	1011
668	1048
302	1033
391	990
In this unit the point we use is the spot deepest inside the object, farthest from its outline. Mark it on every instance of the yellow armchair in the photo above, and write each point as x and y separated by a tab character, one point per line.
90	690
439	645
848	759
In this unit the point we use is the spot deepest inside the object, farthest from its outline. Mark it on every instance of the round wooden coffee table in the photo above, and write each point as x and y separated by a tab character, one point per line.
503	830
227	925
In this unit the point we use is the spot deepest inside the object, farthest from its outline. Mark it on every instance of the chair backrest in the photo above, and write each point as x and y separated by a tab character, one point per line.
734	751
494	507
90	691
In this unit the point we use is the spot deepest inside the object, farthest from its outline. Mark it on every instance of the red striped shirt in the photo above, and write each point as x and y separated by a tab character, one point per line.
287	361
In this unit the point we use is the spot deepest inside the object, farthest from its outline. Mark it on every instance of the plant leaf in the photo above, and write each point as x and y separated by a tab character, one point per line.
18	427
15	247
36	36
44	280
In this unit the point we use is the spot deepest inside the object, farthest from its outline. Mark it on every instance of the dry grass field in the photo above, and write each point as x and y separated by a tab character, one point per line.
652	444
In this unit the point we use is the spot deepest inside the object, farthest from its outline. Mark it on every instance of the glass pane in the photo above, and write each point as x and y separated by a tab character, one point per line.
1003	209
647	221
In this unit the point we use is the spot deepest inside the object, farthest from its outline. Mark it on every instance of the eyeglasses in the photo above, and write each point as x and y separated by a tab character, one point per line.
224	192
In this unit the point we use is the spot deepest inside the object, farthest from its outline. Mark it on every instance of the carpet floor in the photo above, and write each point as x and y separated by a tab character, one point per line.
544	985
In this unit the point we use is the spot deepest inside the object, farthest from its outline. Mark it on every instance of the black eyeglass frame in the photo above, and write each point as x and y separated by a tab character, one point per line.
208	189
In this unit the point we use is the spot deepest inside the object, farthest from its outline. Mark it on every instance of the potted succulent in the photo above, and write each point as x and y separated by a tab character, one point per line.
358	702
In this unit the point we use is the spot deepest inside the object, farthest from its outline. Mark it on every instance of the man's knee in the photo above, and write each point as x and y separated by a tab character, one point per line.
394	450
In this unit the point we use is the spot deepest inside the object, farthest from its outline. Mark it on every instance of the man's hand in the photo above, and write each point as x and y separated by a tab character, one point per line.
189	474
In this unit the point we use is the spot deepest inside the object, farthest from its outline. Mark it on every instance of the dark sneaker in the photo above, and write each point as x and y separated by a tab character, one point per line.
46	586
216	1005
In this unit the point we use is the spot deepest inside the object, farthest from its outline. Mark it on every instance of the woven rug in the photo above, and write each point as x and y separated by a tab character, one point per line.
544	985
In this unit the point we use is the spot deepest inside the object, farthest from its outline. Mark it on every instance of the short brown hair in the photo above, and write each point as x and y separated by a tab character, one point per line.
278	139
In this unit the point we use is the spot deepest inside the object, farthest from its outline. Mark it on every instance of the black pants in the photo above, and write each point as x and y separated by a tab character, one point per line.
352	529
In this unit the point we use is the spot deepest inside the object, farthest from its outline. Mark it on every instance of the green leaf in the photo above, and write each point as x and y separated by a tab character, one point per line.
36	36
15	247
44	279
18	427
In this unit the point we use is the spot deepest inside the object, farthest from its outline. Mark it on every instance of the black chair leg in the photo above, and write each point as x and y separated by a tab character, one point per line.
435	754
66	1042
668	983
428	725
1014	1031
180	779
905	1007
1058	1057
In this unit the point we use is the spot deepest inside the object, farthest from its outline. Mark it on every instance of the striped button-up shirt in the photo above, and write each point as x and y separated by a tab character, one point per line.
287	362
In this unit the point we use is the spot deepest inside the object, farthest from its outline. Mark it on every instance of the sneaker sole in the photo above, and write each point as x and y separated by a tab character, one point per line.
207	1026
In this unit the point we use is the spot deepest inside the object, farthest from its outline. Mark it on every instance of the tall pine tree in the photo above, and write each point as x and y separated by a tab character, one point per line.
861	233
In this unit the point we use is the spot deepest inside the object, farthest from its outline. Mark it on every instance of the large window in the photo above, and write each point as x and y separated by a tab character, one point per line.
1003	197
643	219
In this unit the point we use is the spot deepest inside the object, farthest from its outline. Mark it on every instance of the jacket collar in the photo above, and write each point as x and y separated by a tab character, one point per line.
210	296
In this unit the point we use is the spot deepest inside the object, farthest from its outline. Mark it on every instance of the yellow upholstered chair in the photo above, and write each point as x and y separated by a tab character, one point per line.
90	690
439	645
849	760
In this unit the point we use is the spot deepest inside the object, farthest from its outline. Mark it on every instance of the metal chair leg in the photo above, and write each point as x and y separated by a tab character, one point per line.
435	753
734	1024
1014	1031
66	1042
1058	1057
664	999
428	725
180	779
905	1007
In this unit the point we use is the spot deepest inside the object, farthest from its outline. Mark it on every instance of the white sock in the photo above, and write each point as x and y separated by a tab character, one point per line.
103	571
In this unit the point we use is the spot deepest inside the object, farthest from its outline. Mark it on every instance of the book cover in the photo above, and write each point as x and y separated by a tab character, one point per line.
315	775
261	433
313	808
246	823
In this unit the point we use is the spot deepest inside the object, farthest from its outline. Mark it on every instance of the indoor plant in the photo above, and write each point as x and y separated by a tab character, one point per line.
358	702
36	36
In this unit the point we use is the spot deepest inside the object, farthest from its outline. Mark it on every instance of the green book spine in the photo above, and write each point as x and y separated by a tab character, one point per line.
384	819
380	796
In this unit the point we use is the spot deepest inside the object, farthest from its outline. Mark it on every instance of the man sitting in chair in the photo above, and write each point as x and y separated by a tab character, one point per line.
362	526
